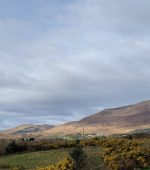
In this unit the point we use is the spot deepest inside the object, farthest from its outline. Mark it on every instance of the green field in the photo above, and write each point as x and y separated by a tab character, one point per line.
41	159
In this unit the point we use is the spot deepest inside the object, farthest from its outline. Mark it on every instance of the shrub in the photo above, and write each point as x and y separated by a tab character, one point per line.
79	157
11	148
124	153
65	164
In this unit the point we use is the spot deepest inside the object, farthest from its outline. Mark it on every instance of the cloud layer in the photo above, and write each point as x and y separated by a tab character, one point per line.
63	60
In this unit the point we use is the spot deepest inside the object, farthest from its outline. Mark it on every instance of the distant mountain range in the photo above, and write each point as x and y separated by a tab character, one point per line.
27	129
106	122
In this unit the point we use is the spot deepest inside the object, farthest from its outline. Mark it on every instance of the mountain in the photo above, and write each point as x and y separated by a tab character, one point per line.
27	129
6	136
109	121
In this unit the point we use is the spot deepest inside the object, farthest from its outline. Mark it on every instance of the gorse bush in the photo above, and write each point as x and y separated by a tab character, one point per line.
65	164
124	153
76	161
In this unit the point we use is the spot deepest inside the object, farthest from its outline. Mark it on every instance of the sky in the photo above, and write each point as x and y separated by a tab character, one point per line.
62	60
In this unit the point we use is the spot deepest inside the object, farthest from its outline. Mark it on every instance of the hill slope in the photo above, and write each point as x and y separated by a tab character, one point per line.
27	129
110	121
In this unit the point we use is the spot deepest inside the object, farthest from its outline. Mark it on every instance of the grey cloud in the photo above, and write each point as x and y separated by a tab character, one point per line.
81	58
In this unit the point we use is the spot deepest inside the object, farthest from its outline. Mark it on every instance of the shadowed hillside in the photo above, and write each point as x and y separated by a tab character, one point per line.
110	121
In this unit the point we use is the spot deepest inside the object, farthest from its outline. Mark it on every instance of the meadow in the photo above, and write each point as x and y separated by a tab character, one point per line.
31	161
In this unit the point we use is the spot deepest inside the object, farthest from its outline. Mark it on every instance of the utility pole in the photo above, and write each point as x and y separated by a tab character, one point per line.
83	134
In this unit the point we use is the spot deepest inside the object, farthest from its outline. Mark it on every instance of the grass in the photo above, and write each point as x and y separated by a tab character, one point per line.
93	157
31	161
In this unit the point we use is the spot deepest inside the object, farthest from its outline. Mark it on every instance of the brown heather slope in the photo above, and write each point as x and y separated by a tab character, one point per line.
27	129
109	121
6	136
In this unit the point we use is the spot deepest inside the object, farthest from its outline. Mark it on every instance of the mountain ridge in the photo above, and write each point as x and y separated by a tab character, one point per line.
106	122
27	129
109	121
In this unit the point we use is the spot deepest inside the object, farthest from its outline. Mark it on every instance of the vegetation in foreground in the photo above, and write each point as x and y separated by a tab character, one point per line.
126	154
93	154
43	159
